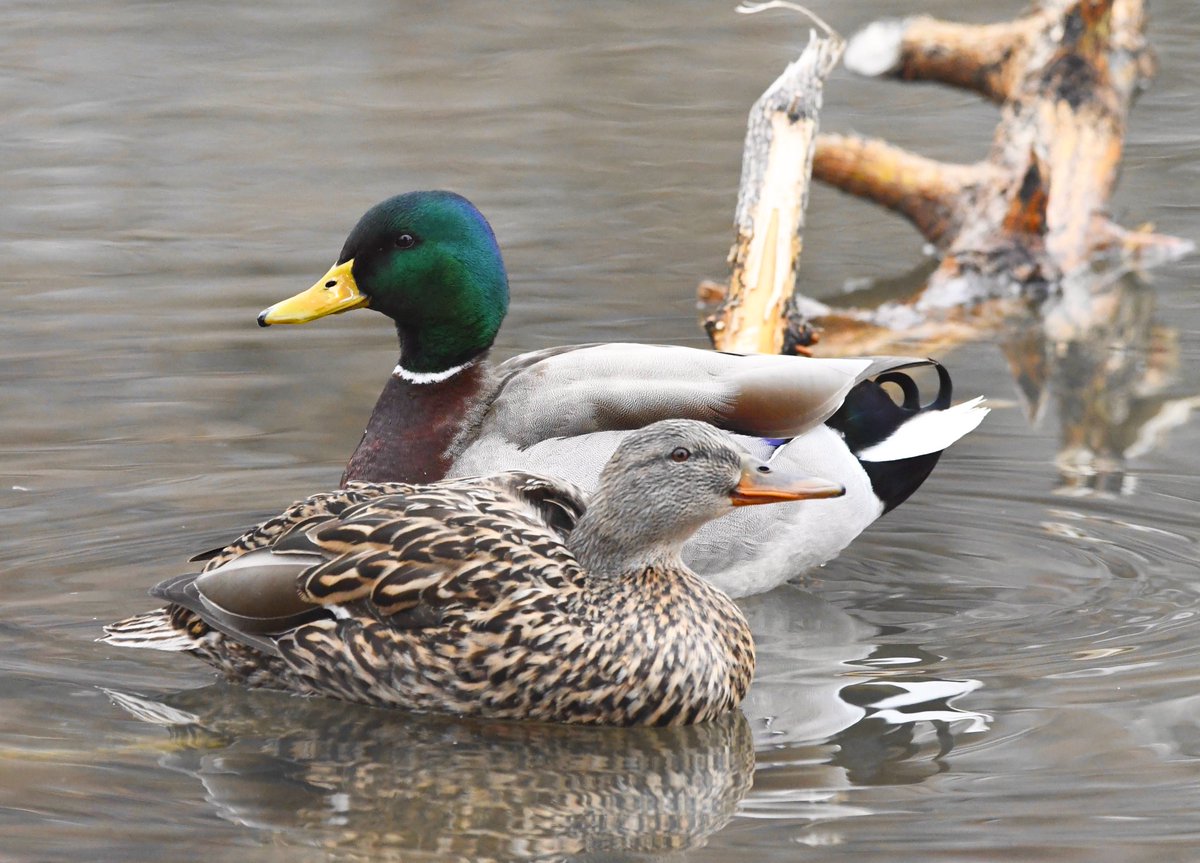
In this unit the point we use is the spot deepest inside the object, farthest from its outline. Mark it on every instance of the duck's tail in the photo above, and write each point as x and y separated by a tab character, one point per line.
898	444
930	431
156	630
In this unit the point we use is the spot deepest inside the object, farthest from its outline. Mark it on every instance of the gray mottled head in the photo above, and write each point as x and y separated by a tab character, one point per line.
666	480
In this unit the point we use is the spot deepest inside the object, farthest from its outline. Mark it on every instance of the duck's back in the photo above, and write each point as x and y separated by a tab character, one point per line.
569	391
563	411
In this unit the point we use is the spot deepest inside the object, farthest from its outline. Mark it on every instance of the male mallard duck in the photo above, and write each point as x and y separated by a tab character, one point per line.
499	596
429	261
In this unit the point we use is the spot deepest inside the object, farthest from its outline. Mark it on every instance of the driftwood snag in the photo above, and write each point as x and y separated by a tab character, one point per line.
776	166
1028	252
1034	211
1020	233
1010	227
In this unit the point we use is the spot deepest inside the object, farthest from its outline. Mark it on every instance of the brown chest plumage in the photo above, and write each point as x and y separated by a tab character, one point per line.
412	427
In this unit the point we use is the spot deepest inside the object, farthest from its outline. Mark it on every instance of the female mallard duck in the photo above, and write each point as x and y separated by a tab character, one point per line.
498	596
429	261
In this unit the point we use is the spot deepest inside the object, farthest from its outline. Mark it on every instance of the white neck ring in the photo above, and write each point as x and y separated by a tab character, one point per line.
429	377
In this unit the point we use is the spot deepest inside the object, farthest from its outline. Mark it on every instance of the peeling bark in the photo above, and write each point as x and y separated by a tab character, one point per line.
929	193
1029	254
985	58
1035	210
758	314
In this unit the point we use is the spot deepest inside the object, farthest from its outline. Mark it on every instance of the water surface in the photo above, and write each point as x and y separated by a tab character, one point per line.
1001	669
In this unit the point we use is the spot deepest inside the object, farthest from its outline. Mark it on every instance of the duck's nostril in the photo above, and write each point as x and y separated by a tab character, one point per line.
762	468
332	283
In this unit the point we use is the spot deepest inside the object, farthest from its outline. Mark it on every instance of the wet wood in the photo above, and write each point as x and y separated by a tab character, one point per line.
757	309
927	192
1035	209
1011	229
985	58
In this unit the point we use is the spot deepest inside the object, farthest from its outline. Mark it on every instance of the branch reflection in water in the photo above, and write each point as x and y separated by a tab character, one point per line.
1092	348
1098	353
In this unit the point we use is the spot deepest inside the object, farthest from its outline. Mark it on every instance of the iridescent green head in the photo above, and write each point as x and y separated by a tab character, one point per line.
427	260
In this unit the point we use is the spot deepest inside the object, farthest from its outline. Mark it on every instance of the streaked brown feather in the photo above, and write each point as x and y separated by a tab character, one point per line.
310	510
463	597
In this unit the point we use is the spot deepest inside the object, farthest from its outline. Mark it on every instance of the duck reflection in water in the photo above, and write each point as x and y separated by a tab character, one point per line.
398	786
833	708
395	785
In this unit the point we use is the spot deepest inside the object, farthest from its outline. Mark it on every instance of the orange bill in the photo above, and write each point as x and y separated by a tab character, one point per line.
762	482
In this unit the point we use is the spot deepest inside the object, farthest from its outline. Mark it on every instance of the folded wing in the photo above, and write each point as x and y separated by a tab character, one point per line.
410	556
563	392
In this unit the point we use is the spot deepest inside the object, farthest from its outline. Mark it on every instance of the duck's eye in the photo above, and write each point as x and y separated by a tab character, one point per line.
405	241
680	454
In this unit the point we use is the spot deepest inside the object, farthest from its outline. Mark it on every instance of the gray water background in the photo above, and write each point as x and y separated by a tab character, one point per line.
1002	669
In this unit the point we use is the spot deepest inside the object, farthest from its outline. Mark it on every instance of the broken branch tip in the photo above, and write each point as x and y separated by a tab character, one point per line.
748	8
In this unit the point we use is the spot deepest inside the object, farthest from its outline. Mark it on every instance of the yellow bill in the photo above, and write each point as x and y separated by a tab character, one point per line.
335	293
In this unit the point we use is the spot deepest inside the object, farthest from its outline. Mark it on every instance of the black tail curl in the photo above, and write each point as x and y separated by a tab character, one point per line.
870	415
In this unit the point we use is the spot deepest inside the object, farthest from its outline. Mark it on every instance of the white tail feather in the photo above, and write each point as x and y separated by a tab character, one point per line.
929	431
152	629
